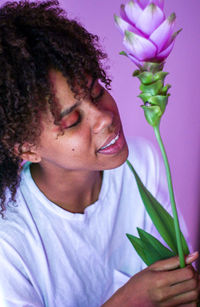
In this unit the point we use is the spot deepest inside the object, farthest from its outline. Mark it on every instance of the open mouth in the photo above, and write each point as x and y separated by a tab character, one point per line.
110	143
113	141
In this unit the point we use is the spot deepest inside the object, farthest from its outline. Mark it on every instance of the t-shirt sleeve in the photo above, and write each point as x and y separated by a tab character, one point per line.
15	288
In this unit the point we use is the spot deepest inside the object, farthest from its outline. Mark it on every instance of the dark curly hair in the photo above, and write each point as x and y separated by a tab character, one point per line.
34	38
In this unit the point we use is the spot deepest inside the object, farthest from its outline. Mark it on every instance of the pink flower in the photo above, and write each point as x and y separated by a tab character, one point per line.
148	34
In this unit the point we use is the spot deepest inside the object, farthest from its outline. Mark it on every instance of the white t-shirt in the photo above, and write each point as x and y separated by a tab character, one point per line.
51	257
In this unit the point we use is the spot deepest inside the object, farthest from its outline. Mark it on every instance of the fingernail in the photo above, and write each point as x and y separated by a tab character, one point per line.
192	255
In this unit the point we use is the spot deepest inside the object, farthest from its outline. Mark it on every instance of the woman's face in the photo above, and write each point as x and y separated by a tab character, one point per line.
92	136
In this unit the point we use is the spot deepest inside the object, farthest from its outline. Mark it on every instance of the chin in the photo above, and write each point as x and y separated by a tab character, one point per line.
117	160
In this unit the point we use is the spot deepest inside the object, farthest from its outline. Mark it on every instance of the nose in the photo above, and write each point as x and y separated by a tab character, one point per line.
101	119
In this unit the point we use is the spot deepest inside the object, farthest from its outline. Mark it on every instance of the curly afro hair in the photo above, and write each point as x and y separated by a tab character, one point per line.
34	38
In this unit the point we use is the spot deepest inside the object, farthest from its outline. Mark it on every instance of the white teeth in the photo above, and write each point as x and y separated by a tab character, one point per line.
111	142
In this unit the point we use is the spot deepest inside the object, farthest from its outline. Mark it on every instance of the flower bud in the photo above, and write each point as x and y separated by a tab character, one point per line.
148	34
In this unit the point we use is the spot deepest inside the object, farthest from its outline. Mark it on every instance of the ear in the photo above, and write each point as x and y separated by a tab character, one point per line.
28	152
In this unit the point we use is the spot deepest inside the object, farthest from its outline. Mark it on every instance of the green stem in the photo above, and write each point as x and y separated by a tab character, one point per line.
171	193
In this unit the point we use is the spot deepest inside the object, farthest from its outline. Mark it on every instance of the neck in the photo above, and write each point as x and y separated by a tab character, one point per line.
74	193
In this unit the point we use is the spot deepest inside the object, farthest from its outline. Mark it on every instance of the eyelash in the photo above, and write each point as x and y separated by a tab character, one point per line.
94	100
76	123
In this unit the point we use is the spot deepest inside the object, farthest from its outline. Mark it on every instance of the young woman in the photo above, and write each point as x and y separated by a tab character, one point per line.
66	212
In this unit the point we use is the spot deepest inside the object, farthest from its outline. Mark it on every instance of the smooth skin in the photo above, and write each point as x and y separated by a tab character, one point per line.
73	160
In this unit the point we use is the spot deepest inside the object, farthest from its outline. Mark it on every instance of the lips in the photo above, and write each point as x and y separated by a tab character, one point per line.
110	141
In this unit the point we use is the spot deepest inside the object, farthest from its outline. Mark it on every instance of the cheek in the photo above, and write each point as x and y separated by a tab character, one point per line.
110	104
112	107
78	144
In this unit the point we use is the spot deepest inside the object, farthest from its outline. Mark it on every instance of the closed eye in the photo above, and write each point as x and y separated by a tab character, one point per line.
76	123
72	120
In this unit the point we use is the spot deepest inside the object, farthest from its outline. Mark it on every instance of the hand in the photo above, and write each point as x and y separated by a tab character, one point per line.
161	284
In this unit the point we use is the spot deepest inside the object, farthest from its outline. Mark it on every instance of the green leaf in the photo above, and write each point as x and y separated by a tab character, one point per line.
145	96
153	67
140	249
136	73
123	53
153	89
161	251
146	77
160	75
159	100
149	248
165	89
152	114
159	216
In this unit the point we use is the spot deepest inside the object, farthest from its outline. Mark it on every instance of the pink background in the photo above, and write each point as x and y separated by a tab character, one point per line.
180	126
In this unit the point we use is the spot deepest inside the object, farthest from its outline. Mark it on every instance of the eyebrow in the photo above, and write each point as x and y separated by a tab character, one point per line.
69	110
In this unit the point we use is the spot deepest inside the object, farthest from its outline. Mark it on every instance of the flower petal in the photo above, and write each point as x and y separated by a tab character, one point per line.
125	26
162	34
165	53
135	60
123	13
171	38
142	3
168	47
139	46
159	3
132	11
150	19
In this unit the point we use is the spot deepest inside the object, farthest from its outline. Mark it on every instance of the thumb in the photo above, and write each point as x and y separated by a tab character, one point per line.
172	263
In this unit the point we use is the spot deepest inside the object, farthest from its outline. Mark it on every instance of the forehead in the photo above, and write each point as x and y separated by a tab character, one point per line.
62	92
60	88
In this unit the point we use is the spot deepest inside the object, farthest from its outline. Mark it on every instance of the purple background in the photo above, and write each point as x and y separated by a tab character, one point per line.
180	126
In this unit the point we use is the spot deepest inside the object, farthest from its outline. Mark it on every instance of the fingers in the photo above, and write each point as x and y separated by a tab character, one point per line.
167	279
165	265
183	287
193	304
190	298
191	257
172	263
181	275
177	287
184	293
